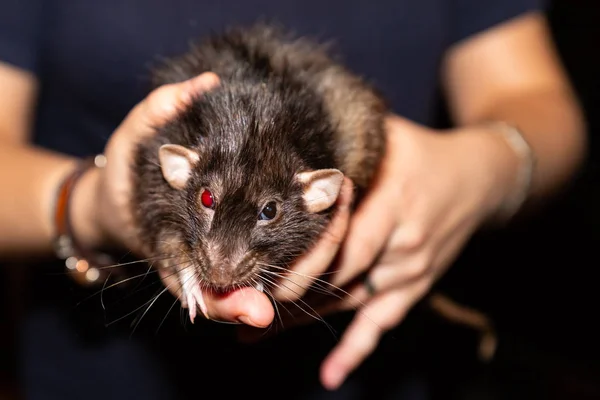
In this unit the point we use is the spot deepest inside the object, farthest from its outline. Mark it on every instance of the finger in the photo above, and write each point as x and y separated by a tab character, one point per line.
155	110
367	234
249	334
400	272
408	258
395	122
370	232
309	266
397	269
164	102
246	305
356	298
391	272
403	260
388	277
362	336
410	237
450	248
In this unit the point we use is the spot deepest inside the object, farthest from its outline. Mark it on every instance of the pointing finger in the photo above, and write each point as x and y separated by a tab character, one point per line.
362	336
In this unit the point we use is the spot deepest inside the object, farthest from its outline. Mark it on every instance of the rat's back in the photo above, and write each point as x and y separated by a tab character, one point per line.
294	70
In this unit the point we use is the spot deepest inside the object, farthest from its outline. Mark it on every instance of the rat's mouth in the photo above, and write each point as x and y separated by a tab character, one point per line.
194	290
226	290
223	278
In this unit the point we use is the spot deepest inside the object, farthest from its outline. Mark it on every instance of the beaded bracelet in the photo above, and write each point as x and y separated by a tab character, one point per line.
83	264
515	139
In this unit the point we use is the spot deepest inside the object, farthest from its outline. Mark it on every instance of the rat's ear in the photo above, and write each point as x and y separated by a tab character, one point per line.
176	163
321	188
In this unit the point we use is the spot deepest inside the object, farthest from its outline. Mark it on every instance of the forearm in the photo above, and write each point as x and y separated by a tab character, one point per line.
29	178
552	124
512	73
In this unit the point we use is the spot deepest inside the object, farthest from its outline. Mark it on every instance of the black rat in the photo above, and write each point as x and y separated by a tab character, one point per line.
248	175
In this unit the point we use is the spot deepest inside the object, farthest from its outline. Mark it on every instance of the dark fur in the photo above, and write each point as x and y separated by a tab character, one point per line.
283	107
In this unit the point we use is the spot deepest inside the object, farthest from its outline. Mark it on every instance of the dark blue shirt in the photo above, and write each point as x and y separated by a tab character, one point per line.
92	59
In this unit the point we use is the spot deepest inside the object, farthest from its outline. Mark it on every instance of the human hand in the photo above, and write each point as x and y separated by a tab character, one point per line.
433	191
101	210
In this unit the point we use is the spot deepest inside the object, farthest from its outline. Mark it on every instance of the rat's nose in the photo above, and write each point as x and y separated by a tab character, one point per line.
221	270
220	275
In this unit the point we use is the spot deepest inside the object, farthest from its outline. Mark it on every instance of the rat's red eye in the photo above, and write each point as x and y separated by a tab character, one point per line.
206	198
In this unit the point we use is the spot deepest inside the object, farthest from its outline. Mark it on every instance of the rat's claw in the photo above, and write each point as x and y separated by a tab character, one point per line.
197	293
192	293
196	299
192	306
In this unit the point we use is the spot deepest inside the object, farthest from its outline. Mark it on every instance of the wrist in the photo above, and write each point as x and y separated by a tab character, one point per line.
83	214
509	162
526	161
78	234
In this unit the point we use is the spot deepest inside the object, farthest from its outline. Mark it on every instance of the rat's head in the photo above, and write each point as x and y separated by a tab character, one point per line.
250	209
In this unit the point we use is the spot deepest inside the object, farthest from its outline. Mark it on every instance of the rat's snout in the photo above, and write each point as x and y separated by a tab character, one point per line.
223	274
218	271
220	275
223	269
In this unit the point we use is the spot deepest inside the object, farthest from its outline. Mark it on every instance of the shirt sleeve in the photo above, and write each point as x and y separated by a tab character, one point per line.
20	32
473	16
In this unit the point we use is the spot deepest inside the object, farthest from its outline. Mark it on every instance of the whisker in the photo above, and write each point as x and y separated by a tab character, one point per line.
316	316
111	286
145	276
129	294
102	292
152	301
150	259
128	314
268	283
319	283
270	295
166	315
158	281
276	304
318	288
147	309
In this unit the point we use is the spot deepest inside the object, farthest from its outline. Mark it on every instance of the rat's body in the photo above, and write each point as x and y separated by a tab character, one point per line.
250	172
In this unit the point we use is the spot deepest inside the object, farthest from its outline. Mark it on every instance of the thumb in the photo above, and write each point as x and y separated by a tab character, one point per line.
164	102
370	227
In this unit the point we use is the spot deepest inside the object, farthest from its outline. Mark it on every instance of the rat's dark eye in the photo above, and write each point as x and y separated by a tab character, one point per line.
269	211
206	198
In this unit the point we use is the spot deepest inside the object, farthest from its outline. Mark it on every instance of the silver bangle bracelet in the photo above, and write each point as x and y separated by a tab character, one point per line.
521	147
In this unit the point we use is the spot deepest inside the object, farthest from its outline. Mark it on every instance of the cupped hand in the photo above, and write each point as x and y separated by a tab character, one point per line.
102	198
433	191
